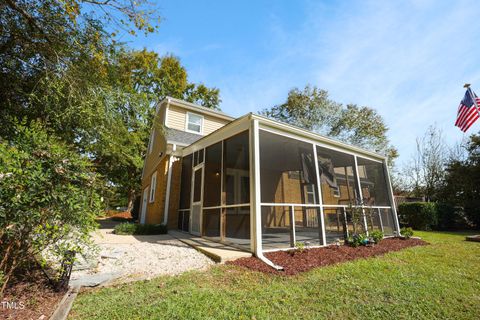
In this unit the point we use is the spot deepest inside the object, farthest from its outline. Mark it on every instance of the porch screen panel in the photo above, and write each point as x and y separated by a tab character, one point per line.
337	177
212	179
276	227
211	222
237	225
236	169
186	182
373	182
308	226
335	224
287	170
388	221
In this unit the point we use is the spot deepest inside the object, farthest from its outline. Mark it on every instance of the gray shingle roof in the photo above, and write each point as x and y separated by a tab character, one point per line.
181	137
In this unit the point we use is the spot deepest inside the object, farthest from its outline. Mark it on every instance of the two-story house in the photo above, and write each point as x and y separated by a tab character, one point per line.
258	184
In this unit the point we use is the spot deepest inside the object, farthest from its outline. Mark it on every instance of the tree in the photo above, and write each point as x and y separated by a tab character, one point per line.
461	186
97	95
49	198
312	109
426	170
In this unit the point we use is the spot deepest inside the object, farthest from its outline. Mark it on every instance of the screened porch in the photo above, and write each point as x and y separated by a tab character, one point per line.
260	185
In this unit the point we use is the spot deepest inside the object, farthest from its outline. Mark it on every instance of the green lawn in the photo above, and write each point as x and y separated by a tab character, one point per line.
439	281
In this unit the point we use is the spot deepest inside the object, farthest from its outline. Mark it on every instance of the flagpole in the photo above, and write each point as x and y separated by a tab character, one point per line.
467	85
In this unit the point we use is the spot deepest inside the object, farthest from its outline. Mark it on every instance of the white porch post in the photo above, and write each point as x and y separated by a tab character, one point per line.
256	210
320	197
392	198
359	185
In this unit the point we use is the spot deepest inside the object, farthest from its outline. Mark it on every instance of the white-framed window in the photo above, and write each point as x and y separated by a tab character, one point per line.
150	145
194	123
153	187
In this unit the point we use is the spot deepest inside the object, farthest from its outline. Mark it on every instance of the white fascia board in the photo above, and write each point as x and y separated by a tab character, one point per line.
231	129
316	138
198	109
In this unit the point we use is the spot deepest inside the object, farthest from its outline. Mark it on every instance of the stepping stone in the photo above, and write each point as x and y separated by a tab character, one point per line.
94	279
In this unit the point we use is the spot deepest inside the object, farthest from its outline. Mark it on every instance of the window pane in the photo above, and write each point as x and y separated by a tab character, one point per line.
276	227
337	177
213	167
211	222
186	182
194	119
197	190
287	170
194	127
237	225
236	169
373	182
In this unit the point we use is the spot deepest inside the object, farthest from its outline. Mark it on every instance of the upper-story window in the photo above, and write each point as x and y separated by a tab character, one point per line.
194	123
151	142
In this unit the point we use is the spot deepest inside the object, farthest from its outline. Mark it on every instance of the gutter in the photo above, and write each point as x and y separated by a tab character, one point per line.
255	192
169	183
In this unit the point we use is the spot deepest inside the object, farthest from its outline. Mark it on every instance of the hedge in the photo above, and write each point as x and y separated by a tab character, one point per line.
419	215
139	229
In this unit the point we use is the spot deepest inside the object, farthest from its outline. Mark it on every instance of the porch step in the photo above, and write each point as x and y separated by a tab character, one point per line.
218	252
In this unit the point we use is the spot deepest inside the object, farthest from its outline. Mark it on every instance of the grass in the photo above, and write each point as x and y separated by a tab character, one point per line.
439	281
127	228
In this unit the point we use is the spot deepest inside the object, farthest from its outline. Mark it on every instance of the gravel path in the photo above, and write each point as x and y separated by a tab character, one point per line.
132	258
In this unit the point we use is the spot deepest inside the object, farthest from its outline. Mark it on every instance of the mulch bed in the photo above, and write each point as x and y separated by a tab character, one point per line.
295	262
30	299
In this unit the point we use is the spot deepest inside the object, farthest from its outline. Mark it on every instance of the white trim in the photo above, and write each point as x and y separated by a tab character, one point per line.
153	187
151	141
200	202
227	206
320	196
196	108
167	108
167	194
360	194
392	198
187	122
255	195
143	211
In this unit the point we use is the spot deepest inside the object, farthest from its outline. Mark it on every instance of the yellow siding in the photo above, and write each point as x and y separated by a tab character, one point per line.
177	118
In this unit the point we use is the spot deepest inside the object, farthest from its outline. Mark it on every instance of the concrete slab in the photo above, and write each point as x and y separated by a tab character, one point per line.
218	252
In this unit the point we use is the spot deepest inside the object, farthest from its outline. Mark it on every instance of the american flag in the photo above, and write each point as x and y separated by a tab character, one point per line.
467	111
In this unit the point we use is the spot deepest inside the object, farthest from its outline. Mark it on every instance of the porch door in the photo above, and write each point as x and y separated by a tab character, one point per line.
197	197
144	206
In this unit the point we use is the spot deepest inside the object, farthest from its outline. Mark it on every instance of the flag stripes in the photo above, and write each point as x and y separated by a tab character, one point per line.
467	111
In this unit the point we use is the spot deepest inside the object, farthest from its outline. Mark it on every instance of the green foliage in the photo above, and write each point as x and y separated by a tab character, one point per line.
376	236
461	187
407	233
358	239
300	246
140	229
419	215
49	197
312	109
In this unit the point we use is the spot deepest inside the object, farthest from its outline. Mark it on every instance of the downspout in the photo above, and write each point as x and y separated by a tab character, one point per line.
255	194
169	182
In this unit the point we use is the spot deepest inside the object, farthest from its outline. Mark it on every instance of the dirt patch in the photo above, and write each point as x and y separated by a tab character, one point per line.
30	299
295	262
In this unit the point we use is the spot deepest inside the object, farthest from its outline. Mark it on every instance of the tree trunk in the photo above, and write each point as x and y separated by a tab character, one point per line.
131	199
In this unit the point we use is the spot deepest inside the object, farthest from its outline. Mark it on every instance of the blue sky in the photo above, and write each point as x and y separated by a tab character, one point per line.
407	59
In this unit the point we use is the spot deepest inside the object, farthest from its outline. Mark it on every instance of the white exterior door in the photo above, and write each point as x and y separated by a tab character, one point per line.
197	196
143	214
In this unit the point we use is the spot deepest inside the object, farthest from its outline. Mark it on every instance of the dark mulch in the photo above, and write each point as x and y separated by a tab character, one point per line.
295	262
30	298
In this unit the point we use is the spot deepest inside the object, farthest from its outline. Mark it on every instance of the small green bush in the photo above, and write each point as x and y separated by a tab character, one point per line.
357	240
376	236
407	233
419	215
139	229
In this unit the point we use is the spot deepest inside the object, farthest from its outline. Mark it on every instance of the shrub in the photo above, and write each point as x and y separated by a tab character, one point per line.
356	240
376	236
419	215
48	199
139	229
407	233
